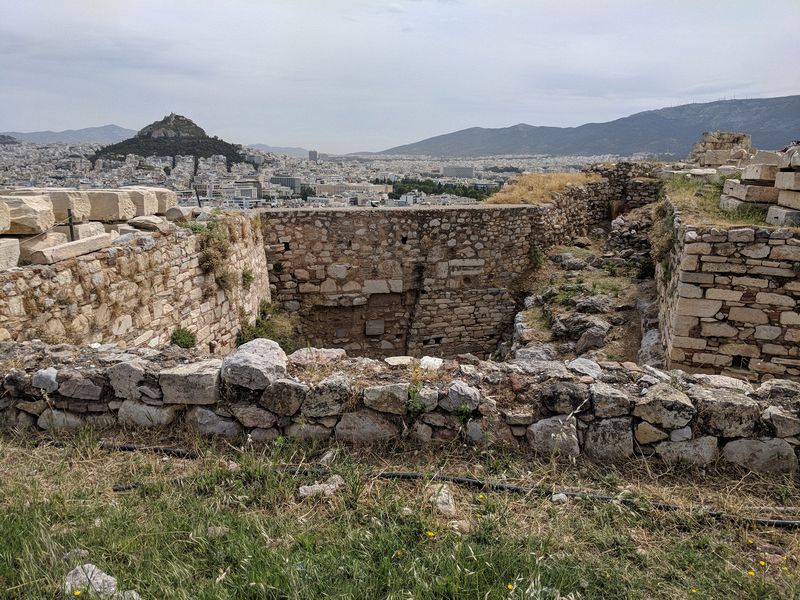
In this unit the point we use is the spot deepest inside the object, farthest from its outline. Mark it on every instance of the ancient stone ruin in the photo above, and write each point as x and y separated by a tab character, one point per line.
416	324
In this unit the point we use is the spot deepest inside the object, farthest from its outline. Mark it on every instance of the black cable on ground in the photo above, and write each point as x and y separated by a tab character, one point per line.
174	452
499	486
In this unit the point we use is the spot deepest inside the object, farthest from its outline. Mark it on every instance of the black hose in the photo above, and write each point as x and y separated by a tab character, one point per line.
174	452
498	486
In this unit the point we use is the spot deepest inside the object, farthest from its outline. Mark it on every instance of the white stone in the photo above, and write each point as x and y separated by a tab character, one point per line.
29	215
89	579
193	383
9	253
255	365
61	252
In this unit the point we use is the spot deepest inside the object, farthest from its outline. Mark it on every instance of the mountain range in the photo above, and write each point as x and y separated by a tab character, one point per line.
107	134
288	150
773	123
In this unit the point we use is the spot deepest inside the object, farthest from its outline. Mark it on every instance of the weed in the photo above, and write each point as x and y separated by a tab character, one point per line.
183	338
272	323
247	278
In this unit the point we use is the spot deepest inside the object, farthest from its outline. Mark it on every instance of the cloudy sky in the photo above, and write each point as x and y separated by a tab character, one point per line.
351	75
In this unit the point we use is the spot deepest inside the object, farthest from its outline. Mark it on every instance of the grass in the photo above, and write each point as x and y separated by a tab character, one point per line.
536	188
243	533
183	338
698	203
272	323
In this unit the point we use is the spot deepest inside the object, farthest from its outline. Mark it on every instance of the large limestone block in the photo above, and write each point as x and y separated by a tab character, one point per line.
111	205
145	201
61	252
788	180
5	217
82	230
29	215
255	365
779	215
725	413
610	439
133	413
698	452
9	253
195	383
760	172
789	199
75	200
750	193
29	245
166	199
207	422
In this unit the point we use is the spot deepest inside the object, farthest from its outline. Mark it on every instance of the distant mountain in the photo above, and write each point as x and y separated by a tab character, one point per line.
107	134
773	123
172	135
288	150
7	140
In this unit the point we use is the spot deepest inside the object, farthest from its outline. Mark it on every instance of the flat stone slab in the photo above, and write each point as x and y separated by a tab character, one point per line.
9	253
29	245
195	383
29	215
81	230
61	252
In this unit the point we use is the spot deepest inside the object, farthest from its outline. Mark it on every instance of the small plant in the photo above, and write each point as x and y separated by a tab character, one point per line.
183	338
272	323
193	226
535	256
464	413
646	269
247	278
277	267
414	406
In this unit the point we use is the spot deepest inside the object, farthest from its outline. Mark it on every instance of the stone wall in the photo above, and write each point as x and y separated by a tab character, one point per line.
434	280
137	291
607	412
632	184
729	301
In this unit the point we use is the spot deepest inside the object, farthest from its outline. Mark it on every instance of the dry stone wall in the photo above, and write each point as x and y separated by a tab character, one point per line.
729	301
138	290
439	280
607	412
631	184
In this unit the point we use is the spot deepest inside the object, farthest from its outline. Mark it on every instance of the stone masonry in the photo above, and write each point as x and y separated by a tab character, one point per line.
730	300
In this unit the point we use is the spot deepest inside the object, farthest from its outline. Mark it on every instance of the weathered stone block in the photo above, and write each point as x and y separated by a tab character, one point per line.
108	206
328	397
255	364
194	383
9	253
789	199
779	215
699	452
74	200
609	439
556	435
724	413
5	217
133	413
391	398
81	230
207	422
28	215
788	180
743	314
29	245
663	405
697	308
750	193
365	427
762	456
61	252
785	253
761	172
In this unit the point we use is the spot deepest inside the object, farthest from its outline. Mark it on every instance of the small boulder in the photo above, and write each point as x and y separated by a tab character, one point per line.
133	413
565	397
89	579
329	488
609	439
585	366
762	456
316	356
207	422
609	401
442	499
724	412
783	422
556	435
365	427
284	396
665	406
327	397
699	452
54	419
460	396
251	415
193	383
45	379
391	398
255	365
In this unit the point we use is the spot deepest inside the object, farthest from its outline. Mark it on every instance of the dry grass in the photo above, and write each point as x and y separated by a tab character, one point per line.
381	538
535	188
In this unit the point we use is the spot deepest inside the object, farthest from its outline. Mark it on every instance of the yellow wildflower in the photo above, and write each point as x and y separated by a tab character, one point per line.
430	534
510	586
762	563
694	590
751	573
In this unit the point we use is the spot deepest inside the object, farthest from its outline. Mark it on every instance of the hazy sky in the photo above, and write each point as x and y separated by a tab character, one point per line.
350	75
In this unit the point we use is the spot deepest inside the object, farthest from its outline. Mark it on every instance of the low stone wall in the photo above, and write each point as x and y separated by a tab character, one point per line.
606	412
433	280
137	291
729	301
